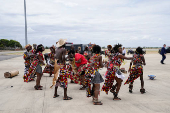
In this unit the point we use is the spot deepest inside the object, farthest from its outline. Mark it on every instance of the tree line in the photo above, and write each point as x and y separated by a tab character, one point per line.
9	43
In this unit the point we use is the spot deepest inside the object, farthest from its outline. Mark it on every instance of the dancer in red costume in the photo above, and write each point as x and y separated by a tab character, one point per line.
136	70
71	55
92	75
37	66
114	72
27	57
80	62
108	52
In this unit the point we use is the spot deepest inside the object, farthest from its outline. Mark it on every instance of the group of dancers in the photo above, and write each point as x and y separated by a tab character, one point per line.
83	69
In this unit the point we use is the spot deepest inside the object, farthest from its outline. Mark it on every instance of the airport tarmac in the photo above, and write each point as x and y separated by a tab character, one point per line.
16	96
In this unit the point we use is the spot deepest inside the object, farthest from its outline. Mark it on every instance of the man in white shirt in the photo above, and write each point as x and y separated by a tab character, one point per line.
124	51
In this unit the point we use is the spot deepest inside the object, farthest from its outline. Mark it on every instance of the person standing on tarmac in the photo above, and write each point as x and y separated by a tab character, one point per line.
163	53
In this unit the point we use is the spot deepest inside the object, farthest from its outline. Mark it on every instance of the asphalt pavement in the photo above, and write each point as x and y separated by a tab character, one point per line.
5	55
8	52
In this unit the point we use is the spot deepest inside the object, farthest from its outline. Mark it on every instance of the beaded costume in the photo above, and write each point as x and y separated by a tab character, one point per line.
92	67
136	70
112	69
62	78
27	61
70	71
47	68
32	68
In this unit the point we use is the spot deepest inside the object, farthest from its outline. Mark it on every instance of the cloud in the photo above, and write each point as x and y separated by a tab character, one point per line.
134	38
30	30
132	23
69	4
160	39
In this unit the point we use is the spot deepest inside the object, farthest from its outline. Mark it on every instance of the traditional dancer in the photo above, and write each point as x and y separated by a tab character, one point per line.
136	70
36	66
27	58
71	55
108	52
50	64
62	78
80	62
33	54
93	76
34	48
87	53
108	57
114	72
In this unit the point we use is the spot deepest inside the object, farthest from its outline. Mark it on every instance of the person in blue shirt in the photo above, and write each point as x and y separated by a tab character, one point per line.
163	53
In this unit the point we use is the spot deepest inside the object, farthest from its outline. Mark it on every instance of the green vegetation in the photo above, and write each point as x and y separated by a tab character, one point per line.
9	43
103	47
47	47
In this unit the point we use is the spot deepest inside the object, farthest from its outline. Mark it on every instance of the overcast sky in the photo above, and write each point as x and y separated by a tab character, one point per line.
129	22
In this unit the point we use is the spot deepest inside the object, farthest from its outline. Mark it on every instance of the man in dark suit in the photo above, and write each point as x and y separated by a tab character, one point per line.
163	53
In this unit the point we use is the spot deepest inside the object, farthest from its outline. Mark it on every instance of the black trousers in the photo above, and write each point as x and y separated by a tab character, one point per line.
163	58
